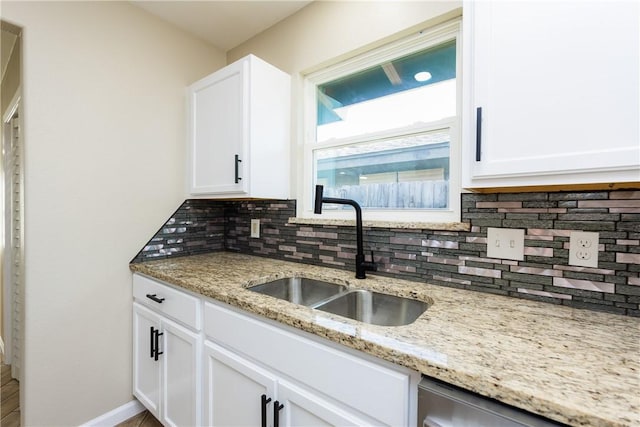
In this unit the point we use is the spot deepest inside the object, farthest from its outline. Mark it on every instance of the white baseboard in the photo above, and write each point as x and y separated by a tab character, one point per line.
116	416
1	347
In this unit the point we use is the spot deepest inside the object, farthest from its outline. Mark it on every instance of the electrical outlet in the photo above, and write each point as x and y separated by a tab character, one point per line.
583	248
255	228
505	243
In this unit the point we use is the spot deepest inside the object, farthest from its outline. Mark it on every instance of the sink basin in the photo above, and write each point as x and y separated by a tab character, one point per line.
375	308
299	290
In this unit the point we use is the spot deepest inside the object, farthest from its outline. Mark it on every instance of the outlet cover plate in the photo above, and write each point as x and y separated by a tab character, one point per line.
255	228
583	248
505	243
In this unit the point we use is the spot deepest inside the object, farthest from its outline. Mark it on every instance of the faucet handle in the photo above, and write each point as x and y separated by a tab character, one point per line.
317	205
373	266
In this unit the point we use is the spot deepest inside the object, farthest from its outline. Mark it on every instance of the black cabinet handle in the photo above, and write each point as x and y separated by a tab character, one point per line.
238	178
155	298
264	409
478	134
156	338
151	346
277	406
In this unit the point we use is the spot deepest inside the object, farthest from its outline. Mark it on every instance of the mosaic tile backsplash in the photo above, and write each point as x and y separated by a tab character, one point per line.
196	227
449	258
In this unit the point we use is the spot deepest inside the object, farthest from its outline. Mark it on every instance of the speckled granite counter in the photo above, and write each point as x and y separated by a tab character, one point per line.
574	366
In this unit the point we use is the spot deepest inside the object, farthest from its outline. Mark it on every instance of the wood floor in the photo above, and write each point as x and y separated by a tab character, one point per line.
143	419
10	399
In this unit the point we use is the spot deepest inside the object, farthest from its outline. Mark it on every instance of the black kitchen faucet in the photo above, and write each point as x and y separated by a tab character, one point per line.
361	265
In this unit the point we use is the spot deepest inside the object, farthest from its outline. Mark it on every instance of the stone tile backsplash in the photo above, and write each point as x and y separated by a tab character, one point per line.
448	258
196	227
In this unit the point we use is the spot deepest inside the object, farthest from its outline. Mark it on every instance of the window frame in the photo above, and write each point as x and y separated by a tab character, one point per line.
418	41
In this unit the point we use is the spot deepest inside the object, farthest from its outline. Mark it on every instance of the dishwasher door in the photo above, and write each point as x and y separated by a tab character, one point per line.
441	405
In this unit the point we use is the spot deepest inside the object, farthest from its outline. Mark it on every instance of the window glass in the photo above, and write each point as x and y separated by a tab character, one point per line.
416	88
383	128
377	136
408	172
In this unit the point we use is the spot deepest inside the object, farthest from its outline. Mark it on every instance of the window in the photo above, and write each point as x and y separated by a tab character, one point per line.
383	129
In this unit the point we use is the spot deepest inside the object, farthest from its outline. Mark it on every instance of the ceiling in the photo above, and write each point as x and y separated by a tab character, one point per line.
223	23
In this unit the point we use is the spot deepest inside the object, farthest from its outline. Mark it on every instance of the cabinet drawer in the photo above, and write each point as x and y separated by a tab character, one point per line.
377	391
179	305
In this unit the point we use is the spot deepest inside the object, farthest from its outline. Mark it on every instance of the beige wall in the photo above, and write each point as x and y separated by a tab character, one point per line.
327	31
104	131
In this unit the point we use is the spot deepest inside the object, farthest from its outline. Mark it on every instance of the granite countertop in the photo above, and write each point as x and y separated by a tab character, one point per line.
574	366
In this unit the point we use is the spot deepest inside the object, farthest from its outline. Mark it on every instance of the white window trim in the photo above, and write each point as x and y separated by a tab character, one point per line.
420	41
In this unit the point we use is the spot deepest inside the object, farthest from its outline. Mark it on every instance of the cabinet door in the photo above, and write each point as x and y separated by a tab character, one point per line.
218	105
385	395
181	375
304	409
146	370
234	389
558	86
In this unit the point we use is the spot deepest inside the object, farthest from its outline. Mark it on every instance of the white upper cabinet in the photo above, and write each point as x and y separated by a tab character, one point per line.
554	86
239	127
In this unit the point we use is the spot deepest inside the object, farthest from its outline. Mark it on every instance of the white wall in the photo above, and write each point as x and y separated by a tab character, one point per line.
104	129
325	32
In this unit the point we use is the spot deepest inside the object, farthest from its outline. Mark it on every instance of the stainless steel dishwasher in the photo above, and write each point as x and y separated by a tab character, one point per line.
441	405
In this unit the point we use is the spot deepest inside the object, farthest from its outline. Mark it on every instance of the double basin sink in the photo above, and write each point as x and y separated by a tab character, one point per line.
362	305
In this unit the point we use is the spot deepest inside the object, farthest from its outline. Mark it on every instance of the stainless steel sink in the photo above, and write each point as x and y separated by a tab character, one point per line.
375	308
299	290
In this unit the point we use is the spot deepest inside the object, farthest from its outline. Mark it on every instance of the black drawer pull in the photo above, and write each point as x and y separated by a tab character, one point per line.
155	298
264	402
478	134
277	406
238	178
156	346
151	346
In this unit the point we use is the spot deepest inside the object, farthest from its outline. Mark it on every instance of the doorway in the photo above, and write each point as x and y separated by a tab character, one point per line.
12	238
12	189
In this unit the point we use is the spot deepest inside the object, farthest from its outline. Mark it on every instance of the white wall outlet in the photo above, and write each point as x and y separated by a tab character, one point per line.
505	243
583	248
255	228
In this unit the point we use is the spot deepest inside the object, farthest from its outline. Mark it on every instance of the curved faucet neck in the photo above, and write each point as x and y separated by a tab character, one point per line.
361	265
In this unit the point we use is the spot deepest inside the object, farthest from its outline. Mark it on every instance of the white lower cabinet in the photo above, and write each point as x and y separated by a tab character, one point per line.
181	376
234	389
166	368
222	366
240	393
305	382
304	409
166	353
146	370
